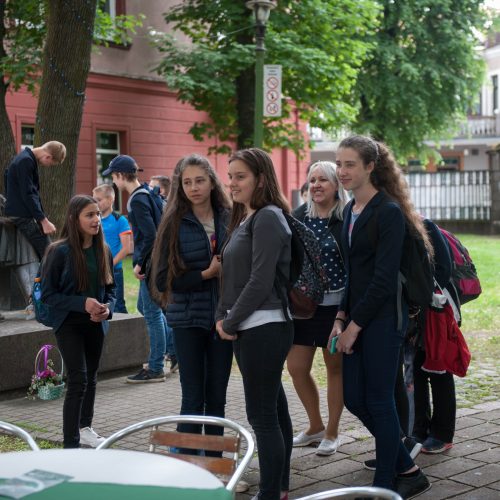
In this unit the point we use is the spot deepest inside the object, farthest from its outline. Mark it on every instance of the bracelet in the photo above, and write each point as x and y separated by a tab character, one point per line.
340	319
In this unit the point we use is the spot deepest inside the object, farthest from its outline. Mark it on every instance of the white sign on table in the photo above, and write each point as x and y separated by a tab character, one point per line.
272	90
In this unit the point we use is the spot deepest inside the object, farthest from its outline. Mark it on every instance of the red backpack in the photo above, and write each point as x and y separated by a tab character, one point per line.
464	274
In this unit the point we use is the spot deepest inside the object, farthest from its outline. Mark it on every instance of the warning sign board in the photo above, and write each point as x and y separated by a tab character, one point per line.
272	90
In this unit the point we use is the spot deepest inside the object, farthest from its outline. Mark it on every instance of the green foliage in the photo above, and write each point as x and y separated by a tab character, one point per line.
424	73
25	32
320	43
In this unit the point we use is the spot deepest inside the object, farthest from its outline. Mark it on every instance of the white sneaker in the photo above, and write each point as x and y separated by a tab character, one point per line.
30	312
89	437
328	447
303	439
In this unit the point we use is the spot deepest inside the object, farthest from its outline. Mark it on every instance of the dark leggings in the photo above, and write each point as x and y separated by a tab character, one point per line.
440	422
205	365
261	352
80	342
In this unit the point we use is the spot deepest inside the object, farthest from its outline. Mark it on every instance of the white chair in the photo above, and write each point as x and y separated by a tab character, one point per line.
355	492
20	433
162	441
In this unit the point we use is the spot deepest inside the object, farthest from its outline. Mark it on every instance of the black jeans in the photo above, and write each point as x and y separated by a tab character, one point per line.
440	422
261	352
204	365
33	233
80	342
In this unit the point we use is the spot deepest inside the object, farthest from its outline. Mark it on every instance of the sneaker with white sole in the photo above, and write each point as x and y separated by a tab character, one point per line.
89	437
328	447
413	446
303	439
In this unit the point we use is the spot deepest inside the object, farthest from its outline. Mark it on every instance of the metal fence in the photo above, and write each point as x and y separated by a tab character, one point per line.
452	195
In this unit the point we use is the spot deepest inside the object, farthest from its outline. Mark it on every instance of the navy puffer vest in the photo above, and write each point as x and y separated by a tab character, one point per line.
196	307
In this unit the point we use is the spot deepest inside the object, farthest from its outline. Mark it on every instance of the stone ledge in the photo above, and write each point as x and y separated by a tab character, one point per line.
126	345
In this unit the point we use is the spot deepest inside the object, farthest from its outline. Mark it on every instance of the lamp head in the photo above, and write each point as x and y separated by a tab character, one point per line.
262	9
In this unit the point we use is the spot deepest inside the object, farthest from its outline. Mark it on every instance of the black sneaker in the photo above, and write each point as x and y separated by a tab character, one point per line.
413	446
174	365
411	487
146	376
370	464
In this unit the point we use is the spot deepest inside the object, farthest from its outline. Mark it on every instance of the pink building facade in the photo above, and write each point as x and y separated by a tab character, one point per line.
130	110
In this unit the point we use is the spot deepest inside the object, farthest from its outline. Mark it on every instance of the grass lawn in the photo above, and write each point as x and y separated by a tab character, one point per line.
131	284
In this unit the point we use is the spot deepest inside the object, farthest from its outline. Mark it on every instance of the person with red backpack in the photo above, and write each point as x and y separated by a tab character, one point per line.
434	427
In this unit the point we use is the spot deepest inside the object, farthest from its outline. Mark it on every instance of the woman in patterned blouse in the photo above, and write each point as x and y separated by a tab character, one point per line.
322	213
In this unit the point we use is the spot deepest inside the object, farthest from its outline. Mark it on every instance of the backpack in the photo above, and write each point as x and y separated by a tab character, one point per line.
463	275
307	280
416	275
156	201
43	312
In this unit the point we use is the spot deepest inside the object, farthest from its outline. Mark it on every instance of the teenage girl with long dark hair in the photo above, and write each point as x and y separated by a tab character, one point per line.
252	314
366	324
77	282
186	267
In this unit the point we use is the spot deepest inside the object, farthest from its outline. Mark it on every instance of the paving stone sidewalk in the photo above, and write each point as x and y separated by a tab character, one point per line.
470	470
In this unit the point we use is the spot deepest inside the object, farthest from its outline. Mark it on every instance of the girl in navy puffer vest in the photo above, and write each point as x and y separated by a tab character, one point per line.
186	267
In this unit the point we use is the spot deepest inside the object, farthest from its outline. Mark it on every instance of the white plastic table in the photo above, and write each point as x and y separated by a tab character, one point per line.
114	474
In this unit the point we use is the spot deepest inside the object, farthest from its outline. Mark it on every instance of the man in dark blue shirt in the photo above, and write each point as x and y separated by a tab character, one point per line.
144	216
22	186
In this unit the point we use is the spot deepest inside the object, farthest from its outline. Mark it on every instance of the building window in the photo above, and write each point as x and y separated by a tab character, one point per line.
27	136
107	147
449	163
494	83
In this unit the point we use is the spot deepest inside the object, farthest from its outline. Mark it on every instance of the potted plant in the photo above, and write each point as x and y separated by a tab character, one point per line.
46	383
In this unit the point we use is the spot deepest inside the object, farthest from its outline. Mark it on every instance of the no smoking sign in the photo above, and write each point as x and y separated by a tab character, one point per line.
272	90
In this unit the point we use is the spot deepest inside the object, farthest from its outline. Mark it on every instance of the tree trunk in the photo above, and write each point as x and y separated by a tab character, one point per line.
7	142
66	64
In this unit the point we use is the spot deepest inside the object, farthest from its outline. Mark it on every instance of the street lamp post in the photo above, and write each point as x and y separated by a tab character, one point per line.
262	10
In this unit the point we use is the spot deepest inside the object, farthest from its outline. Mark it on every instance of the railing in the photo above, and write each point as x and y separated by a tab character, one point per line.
480	126
451	195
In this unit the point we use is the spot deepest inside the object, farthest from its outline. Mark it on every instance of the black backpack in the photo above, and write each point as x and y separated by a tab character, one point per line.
307	280
416	275
156	201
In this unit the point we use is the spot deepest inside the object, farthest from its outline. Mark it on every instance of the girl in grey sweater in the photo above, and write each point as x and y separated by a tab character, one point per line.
251	313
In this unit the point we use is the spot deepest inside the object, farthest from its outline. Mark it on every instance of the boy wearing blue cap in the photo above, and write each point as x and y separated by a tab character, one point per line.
144	217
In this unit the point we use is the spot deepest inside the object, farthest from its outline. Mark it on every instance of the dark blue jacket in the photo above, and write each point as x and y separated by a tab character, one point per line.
372	272
143	218
194	300
22	187
59	287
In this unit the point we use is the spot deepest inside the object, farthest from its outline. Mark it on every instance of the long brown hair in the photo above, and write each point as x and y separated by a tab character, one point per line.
72	236
178	206
386	176
261	165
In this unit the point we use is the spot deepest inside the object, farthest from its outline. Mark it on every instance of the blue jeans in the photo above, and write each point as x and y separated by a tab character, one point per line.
261	352
369	376
204	365
155	323
120	306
